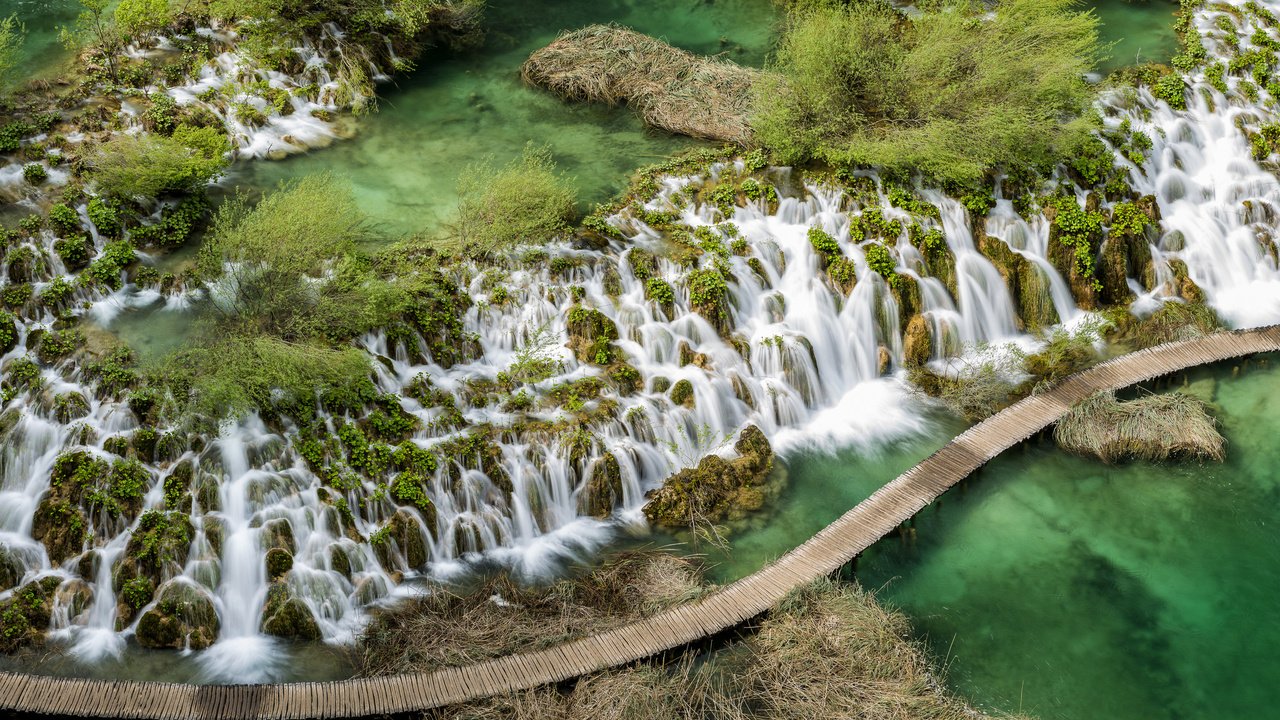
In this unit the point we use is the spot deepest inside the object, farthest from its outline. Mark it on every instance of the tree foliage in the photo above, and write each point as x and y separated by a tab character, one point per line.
286	267
94	27
12	35
142	17
145	166
951	91
527	201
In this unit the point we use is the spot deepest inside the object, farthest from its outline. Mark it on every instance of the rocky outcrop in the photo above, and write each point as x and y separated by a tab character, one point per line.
603	491
24	616
917	344
717	489
183	616
1028	285
400	545
286	616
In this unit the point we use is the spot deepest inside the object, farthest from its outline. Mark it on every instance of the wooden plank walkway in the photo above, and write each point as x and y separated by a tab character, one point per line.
747	598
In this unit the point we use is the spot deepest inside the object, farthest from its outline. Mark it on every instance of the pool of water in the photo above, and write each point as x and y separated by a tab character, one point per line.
1138	31
461	108
1069	589
42	55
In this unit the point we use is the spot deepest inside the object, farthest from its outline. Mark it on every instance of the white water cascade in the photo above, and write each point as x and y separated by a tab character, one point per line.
811	363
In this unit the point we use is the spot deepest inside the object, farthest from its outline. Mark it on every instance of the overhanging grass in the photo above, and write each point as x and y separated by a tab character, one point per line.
1154	427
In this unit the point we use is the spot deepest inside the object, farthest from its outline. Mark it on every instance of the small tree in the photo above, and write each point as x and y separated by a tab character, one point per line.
12	35
130	166
94	27
142	18
525	202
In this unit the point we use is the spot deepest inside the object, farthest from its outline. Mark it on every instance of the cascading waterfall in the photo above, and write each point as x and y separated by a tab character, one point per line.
785	347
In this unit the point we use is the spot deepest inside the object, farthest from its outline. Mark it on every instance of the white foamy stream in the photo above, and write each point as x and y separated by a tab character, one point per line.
805	363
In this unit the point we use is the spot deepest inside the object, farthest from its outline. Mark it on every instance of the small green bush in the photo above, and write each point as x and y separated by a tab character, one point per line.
525	202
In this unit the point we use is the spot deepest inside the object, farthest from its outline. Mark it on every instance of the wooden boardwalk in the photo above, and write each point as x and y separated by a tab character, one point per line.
747	598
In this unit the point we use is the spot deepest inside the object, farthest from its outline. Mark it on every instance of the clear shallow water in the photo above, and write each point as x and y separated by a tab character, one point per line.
1139	31
1065	588
460	108
42	55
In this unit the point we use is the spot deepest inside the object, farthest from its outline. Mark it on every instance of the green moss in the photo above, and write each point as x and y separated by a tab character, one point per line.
682	393
881	261
1128	219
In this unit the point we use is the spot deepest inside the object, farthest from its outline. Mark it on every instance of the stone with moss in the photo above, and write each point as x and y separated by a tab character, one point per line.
183	616
286	616
25	615
591	335
682	393
157	549
279	562
603	489
917	342
61	527
399	544
11	568
8	333
716	489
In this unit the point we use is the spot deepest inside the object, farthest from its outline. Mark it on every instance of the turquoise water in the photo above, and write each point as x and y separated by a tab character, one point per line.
42	55
1068	589
460	108
1138	31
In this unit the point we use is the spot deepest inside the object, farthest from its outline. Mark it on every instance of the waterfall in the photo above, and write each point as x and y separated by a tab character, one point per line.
813	357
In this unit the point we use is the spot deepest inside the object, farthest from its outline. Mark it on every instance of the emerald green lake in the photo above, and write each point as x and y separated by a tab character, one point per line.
1069	589
458	109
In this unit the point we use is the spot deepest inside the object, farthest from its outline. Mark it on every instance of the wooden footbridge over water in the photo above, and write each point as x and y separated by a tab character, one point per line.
824	553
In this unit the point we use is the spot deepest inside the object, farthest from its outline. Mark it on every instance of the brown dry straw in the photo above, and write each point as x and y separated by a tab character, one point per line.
670	88
1155	427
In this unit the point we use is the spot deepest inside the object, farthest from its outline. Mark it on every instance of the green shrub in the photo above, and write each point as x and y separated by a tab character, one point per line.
525	202
1128	219
1172	90
34	173
104	217
74	251
947	91
146	166
63	219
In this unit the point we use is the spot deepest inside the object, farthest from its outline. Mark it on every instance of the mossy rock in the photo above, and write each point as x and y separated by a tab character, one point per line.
8	333
182	616
286	616
157	549
682	394
279	562
717	489
400	542
61	527
1183	286
591	334
25	615
11	569
70	407
603	490
339	561
278	533
917	343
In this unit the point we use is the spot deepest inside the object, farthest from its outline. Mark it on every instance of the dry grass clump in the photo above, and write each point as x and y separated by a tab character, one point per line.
1155	427
1171	322
501	616
670	88
828	652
